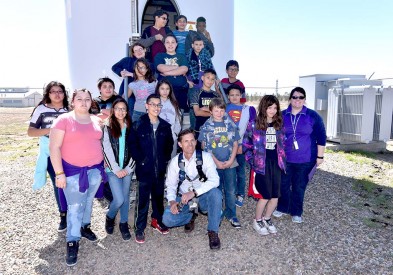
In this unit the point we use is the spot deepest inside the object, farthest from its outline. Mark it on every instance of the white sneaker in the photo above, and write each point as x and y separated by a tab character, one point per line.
278	214
260	228
297	219
270	226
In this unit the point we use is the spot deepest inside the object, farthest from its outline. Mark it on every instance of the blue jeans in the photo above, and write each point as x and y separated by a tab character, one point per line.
136	115
293	187
241	175
210	201
80	205
121	196
52	176
131	104
228	187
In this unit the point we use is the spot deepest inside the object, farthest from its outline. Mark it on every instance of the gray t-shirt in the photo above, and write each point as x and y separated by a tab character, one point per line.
155	126
142	89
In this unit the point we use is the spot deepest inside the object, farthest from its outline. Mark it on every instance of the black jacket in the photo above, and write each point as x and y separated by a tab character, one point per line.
151	151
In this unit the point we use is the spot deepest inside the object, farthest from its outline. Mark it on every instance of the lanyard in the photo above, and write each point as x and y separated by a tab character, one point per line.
294	122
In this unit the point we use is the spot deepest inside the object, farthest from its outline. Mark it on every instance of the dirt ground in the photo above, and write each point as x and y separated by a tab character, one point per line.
340	234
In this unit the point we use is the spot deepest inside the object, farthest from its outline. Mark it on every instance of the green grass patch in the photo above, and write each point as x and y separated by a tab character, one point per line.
358	159
378	200
362	154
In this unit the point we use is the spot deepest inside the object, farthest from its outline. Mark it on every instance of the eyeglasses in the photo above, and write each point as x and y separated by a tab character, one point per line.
60	92
139	50
142	68
164	18
155	105
298	97
233	69
120	109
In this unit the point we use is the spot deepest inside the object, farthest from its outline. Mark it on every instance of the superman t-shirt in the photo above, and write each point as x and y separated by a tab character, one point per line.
235	112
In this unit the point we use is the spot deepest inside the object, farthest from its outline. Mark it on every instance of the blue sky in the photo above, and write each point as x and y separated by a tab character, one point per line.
292	38
273	40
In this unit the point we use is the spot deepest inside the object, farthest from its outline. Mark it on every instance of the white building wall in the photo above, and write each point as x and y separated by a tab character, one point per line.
98	30
97	33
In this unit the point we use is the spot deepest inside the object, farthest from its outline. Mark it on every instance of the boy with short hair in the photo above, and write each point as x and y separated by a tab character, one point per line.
199	60
202	33
103	103
219	136
181	34
200	98
232	69
101	106
241	114
151	146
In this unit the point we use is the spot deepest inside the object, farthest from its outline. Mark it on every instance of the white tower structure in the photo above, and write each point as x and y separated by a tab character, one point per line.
98	31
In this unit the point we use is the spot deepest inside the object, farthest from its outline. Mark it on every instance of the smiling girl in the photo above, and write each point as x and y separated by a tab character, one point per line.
119	162
76	155
170	111
53	104
144	84
263	146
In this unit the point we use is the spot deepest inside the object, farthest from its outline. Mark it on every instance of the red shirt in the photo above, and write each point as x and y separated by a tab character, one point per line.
158	46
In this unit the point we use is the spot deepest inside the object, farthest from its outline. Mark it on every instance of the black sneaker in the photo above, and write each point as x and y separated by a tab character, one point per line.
72	253
214	240
109	225
88	234
125	231
139	237
63	222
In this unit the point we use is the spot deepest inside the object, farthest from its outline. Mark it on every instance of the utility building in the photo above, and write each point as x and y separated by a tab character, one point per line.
354	109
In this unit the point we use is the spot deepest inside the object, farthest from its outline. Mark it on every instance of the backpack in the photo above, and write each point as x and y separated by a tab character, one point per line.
182	172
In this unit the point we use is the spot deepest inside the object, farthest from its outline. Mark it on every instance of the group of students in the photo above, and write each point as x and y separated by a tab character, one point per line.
180	56
104	139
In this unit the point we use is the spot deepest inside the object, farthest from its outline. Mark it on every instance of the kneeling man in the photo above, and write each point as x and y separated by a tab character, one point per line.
192	181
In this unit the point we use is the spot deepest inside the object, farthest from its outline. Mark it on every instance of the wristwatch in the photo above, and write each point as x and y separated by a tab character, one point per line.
318	157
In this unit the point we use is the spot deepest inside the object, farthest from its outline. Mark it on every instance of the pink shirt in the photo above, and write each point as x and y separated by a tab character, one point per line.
82	142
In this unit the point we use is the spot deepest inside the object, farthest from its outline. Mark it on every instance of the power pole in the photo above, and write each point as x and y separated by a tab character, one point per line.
277	88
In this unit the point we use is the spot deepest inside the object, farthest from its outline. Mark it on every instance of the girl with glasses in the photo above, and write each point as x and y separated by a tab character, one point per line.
153	36
144	84
124	68
53	104
119	166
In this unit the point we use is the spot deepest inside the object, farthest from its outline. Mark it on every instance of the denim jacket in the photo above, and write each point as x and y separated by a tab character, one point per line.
254	148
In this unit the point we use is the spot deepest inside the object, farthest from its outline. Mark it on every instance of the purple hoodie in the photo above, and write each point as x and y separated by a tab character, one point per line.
254	148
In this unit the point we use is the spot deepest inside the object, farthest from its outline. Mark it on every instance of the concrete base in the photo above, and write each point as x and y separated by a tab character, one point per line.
375	146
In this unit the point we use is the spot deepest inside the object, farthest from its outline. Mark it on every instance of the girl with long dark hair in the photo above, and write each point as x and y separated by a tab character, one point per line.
53	103
263	145
119	165
170	111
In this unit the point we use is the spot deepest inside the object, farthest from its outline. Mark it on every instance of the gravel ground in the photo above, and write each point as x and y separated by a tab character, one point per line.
332	240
